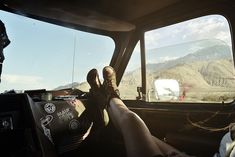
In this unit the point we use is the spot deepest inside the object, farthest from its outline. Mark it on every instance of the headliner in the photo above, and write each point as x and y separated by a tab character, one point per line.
103	15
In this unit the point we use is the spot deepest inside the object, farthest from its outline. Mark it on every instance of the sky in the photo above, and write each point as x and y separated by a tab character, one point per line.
180	39
41	54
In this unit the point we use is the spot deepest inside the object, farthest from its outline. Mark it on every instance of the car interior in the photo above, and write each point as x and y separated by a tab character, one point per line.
190	118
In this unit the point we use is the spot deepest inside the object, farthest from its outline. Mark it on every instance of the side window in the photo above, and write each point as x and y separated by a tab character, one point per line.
191	61
132	76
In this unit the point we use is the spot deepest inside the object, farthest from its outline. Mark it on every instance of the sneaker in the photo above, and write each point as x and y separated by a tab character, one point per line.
110	85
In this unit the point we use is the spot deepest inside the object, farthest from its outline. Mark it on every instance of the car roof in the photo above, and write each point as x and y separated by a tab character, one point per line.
125	21
111	16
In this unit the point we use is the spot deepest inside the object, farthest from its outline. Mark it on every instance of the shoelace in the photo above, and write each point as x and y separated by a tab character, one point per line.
111	91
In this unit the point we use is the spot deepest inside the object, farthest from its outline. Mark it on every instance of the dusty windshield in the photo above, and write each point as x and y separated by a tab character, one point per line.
47	56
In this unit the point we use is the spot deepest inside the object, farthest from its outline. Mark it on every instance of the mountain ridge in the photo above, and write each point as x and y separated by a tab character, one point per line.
203	74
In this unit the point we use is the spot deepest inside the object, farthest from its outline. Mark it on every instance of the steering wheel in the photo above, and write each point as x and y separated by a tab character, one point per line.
66	124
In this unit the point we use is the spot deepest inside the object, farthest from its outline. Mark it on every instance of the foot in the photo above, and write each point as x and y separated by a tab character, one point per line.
98	98
93	79
110	85
96	90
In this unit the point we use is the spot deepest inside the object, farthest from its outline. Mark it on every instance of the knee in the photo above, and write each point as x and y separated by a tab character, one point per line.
131	118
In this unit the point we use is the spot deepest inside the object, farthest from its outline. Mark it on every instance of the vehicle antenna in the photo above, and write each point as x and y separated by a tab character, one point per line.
74	50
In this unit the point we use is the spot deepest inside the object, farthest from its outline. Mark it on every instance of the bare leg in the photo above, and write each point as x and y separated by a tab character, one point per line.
167	149
138	140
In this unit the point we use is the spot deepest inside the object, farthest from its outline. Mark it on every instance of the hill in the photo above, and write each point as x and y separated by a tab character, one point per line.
84	86
205	75
206	54
202	80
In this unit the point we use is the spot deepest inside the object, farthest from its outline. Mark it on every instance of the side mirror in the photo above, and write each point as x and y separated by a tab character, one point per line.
166	89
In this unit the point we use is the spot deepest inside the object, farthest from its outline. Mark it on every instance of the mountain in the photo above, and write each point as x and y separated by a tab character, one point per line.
205	54
67	86
201	74
210	81
206	74
84	86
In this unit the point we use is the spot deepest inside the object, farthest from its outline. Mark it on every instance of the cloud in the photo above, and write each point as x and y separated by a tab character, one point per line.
21	79
212	27
194	48
21	82
167	58
208	27
152	38
224	37
155	59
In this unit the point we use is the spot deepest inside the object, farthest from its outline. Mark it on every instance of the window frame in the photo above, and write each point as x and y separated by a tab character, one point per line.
145	94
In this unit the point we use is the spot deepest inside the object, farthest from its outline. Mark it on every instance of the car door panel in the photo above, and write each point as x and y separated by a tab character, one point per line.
193	128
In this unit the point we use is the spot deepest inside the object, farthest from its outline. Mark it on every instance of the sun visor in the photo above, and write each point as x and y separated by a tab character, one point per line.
75	17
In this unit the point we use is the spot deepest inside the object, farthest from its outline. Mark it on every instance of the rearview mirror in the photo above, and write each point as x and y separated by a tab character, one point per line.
166	89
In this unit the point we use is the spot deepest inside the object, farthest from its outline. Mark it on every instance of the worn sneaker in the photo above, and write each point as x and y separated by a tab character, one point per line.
110	85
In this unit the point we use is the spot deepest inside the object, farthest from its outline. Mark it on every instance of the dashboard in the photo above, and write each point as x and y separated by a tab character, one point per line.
42	128
17	131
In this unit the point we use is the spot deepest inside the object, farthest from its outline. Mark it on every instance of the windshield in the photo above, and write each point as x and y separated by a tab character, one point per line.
47	56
